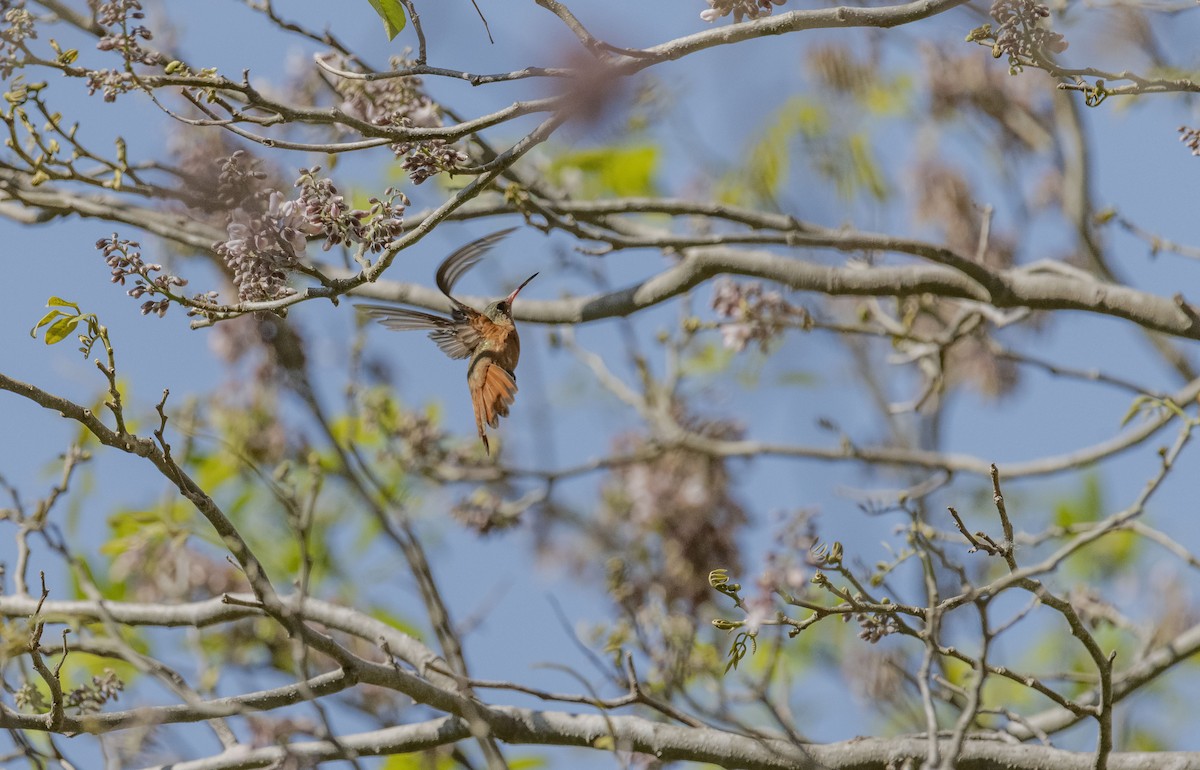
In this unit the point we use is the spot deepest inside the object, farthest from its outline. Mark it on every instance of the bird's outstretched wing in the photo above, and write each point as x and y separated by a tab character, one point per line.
453	335
454	266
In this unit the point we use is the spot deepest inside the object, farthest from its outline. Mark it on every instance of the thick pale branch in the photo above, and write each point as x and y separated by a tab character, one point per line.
668	742
391	740
227	609
532	726
46	202
148	716
1011	288
792	21
955	276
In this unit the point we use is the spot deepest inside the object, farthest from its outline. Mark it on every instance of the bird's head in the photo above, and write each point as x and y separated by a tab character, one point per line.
500	311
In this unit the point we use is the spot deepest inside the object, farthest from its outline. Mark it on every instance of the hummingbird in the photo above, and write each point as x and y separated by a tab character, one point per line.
488	338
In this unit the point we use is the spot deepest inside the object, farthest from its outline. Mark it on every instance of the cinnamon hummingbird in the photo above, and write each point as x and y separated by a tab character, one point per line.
489	338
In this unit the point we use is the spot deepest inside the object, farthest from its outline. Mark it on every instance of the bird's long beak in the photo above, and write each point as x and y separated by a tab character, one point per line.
509	299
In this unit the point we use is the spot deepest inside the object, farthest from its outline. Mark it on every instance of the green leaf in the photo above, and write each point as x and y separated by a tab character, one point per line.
65	325
392	13
888	97
621	171
709	359
45	320
82	666
866	172
60	329
768	159
1114	551
1149	407
60	302
1144	738
1139	403
397	622
799	378
1087	505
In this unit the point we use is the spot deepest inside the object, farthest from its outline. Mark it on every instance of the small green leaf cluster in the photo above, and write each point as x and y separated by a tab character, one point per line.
63	319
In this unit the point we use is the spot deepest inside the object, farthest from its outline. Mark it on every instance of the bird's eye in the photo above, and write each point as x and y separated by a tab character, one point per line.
502	307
